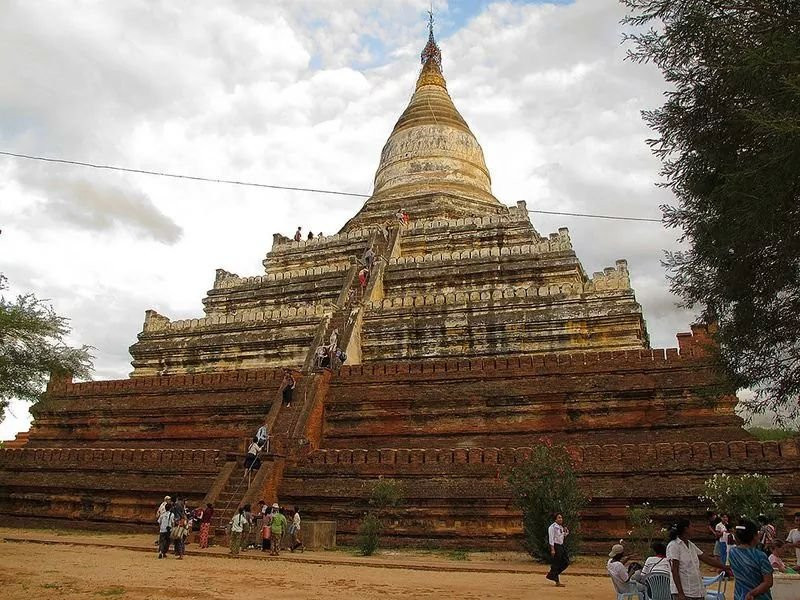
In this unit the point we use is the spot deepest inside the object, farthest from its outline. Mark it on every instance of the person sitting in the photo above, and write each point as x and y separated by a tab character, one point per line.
776	559
657	563
251	460
310	235
622	580
325	361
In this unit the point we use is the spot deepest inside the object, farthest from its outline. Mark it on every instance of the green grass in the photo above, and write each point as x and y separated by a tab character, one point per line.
458	554
766	434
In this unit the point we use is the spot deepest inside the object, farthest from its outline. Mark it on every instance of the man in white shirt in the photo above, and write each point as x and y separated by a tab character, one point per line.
166	520
558	553
793	538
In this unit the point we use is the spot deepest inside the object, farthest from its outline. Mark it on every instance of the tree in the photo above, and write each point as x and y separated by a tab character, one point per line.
728	136
32	346
542	486
741	496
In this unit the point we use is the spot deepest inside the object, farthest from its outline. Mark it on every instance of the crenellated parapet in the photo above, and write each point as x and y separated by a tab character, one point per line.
163	324
234	281
556	243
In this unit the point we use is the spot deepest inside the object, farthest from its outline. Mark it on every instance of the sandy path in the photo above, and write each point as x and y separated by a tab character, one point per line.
30	571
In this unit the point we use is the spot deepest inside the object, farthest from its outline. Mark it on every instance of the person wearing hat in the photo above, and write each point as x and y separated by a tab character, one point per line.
622	580
277	527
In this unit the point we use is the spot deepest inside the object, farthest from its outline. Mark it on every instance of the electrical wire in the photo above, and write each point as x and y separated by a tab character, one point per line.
277	187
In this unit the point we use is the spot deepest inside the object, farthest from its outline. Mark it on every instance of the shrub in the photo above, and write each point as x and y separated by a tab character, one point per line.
543	485
741	496
643	529
386	493
368	533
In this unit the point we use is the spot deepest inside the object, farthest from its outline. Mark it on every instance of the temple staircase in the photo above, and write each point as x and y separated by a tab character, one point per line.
296	430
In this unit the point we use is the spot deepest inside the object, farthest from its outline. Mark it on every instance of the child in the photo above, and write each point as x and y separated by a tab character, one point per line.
776	561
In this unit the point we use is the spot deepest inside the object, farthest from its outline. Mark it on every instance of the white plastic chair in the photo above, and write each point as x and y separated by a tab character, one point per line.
657	587
722	587
629	594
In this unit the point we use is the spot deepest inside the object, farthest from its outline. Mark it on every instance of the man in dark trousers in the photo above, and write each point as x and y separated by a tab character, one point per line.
558	553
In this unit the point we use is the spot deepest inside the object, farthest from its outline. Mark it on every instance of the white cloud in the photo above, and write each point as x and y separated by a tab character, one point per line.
296	92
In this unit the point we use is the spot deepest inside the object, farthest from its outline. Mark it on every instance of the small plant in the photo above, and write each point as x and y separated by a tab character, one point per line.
643	529
386	493
458	554
368	535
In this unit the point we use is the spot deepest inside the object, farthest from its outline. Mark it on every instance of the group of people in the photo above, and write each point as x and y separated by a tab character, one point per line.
330	356
273	523
298	235
176	521
752	552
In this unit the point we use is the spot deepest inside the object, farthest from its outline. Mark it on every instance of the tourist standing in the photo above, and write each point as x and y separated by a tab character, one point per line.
287	387
165	522
334	339
179	533
298	235
750	565
793	539
684	558
205	524
266	532
766	534
723	536
558	552
237	527
310	235
277	528
294	531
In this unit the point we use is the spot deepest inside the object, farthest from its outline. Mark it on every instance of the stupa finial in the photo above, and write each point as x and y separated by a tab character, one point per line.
431	52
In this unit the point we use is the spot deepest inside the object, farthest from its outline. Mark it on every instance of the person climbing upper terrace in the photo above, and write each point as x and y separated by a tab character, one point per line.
287	387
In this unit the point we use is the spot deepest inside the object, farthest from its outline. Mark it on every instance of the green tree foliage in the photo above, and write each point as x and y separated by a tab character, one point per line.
543	485
384	495
728	136
31	346
741	496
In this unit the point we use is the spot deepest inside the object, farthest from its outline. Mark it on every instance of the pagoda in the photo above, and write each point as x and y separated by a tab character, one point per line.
474	339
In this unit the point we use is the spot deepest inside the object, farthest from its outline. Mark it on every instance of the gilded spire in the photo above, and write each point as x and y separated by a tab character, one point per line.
431	58
431	50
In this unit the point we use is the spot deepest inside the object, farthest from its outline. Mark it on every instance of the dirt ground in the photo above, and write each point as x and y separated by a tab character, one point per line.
86	565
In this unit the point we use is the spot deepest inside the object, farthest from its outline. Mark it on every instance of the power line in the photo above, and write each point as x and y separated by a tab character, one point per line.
615	218
178	176
276	187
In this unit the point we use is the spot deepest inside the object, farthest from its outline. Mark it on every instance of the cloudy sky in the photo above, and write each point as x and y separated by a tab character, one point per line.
299	93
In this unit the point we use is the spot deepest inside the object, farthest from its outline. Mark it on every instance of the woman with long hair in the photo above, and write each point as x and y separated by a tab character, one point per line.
684	559
205	524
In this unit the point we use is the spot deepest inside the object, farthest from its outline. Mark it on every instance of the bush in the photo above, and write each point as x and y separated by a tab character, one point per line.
368	532
643	529
768	434
386	493
543	485
741	496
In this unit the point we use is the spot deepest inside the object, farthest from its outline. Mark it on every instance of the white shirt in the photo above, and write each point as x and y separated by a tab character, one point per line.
556	534
686	553
722	529
619	574
794	538
165	522
237	522
296	521
655	564
254	448
162	507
